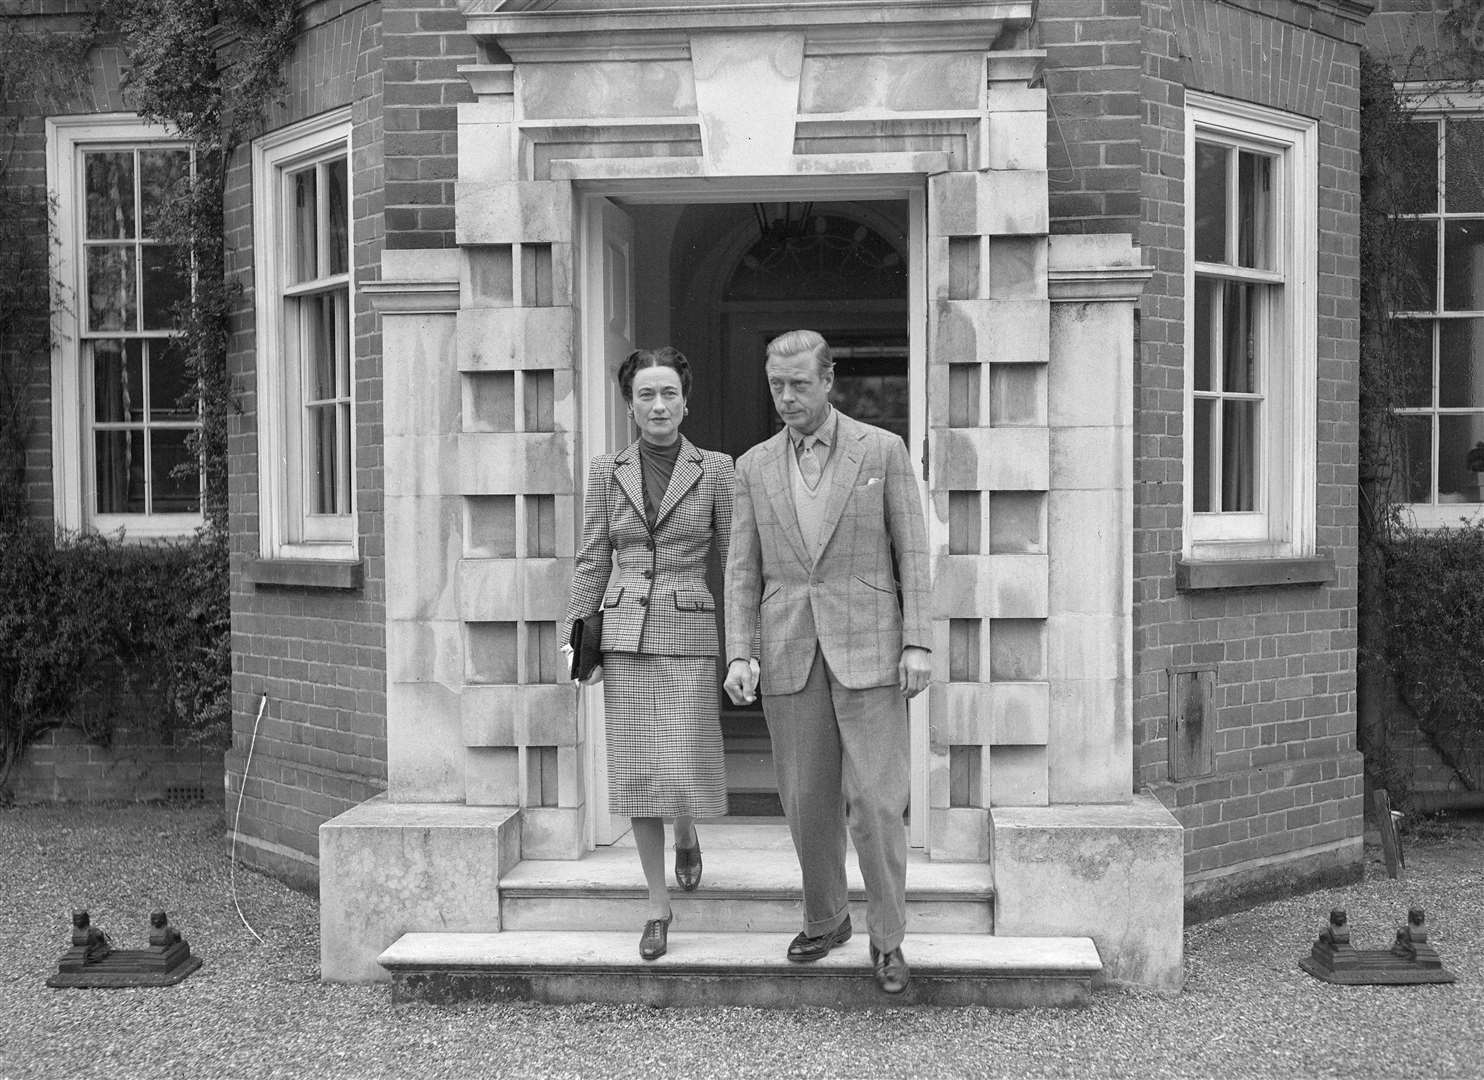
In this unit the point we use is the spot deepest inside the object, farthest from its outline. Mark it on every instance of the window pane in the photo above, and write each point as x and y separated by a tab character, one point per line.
111	303
1239	348
118	383
1255	220
1205	301
337	210
165	286
1205	419
1465	150
305	238
1461	363
322	333
118	471
1413	338
175	475
324	443
1411	460
1238	455
172	391
110	195
1457	435
1463	265
1210	202
1417	289
162	178
1415	188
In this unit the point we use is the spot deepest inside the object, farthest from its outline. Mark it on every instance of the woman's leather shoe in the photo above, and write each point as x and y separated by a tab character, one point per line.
656	938
688	866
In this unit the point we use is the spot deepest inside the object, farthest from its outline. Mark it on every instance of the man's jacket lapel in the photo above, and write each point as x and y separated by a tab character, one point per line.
846	468
780	492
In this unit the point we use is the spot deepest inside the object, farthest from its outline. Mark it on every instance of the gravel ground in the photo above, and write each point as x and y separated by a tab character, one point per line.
259	1010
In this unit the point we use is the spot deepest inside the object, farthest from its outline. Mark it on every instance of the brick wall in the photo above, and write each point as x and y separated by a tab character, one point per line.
318	654
65	766
1287	784
1092	112
425	45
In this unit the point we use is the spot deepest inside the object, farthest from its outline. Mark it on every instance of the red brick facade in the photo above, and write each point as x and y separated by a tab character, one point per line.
1286	790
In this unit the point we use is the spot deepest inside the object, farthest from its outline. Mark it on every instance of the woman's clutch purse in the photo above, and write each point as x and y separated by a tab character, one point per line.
587	644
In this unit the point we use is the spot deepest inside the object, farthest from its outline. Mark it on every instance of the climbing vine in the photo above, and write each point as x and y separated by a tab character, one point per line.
90	625
1421	598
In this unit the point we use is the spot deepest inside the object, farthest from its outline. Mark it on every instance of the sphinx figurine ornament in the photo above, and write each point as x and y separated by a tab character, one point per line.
92	962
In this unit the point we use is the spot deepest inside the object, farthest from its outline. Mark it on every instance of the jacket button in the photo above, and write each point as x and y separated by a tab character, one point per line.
643	601
649	544
648	574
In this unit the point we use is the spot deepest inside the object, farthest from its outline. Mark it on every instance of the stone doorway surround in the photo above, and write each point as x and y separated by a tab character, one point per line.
1030	419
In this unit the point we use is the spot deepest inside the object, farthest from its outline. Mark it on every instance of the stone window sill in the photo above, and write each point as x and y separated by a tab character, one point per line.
1197	575
333	574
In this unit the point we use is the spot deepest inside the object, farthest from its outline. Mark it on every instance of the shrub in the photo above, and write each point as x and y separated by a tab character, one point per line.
1435	592
92	629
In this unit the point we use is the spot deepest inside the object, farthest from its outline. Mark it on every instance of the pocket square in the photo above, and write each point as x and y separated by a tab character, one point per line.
872	480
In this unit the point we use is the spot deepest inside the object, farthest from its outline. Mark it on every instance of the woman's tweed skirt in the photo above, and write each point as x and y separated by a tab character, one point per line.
664	738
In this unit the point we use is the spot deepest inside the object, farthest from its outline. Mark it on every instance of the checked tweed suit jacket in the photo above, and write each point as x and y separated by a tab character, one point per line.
652	585
846	598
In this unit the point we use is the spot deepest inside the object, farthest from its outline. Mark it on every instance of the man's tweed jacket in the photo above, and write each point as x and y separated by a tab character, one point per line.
845	599
655	599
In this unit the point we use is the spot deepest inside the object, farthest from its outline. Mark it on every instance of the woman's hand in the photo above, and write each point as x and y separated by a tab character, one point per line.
595	677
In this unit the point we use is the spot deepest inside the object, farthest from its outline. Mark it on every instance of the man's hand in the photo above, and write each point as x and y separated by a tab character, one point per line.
741	681
914	671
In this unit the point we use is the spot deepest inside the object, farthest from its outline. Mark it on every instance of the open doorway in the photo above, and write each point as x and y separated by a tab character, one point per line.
718	280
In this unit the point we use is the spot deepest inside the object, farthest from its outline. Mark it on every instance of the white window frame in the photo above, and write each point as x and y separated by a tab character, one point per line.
1284	523
286	529
1434	102
73	483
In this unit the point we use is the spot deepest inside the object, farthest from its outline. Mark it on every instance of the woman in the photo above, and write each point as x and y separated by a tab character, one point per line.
652	513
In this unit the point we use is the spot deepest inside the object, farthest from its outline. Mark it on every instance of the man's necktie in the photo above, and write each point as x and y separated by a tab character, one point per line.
809	466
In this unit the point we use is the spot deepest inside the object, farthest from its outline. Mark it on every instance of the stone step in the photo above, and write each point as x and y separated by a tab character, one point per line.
713	969
749	889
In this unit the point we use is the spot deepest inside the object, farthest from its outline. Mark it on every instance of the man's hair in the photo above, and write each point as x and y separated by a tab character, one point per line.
666	356
804	342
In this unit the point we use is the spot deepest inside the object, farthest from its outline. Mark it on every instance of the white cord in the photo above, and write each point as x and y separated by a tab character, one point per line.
241	793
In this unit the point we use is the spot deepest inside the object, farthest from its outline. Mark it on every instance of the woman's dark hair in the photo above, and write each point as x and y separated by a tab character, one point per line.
668	356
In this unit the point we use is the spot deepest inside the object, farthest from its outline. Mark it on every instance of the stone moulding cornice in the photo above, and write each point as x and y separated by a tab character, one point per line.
1098	283
412	297
520	26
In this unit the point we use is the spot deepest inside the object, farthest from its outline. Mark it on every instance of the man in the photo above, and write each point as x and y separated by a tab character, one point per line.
828	570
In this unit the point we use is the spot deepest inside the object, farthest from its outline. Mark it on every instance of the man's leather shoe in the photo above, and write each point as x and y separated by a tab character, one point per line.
892	973
804	948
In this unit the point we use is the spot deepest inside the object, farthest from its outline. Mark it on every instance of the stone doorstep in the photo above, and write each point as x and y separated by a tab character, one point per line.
742	889
711	969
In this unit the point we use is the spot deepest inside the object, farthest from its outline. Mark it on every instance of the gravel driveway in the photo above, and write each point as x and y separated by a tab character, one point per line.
258	1010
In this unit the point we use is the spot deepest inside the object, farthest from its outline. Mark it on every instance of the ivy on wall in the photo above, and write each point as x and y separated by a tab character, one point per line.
1421	593
93	629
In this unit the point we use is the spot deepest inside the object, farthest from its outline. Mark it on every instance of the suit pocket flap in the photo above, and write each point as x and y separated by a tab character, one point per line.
612	599
693	600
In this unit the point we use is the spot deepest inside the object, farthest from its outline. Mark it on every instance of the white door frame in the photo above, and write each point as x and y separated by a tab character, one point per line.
601	420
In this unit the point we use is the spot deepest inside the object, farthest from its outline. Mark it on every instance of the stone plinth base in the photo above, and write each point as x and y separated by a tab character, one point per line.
1111	873
389	868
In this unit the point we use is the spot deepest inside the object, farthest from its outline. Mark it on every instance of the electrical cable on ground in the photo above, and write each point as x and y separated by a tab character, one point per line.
236	821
